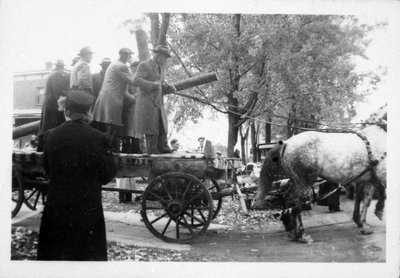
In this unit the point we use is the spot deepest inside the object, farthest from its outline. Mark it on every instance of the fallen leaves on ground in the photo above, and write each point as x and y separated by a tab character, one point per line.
24	242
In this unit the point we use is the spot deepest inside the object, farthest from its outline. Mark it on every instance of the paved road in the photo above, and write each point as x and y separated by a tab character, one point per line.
336	238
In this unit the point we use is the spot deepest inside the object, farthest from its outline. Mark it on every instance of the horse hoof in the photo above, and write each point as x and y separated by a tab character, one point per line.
366	231
292	236
306	239
379	214
358	224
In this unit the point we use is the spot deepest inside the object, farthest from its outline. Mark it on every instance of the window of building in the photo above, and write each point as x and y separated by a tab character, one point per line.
39	95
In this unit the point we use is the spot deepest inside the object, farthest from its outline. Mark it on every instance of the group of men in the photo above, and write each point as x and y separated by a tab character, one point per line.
128	100
80	126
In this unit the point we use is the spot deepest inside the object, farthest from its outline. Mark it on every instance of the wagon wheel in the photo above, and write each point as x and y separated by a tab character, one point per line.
177	207
17	193
215	190
35	193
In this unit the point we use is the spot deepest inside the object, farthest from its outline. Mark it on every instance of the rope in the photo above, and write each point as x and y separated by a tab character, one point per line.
333	127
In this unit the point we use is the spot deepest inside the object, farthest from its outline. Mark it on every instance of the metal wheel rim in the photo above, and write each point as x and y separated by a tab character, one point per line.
172	200
16	194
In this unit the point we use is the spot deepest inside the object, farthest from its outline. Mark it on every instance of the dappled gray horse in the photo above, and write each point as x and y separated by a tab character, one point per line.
335	157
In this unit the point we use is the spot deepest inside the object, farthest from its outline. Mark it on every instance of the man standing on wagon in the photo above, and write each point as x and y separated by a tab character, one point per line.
80	72
56	86
150	116
107	112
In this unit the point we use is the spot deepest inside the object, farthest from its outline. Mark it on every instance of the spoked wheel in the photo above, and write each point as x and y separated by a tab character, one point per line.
177	207
35	194
215	190
17	193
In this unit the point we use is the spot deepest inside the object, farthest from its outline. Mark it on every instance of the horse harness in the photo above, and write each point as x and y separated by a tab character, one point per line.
372	163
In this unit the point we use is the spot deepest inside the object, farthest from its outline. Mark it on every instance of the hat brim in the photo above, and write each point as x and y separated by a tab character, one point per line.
162	52
80	54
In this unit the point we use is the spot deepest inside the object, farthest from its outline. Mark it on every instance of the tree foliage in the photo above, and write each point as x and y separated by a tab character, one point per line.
286	68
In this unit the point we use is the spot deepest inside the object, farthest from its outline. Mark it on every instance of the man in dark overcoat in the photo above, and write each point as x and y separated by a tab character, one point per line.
78	160
150	115
57	85
98	78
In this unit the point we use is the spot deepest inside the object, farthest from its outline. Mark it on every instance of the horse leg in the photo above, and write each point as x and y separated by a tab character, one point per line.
357	199
380	205
368	195
301	234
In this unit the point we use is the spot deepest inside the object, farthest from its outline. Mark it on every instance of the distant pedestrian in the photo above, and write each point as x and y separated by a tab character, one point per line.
32	144
57	85
201	141
78	160
333	200
174	145
80	73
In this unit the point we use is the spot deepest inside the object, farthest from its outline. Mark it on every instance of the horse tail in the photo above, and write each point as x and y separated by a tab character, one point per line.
269	169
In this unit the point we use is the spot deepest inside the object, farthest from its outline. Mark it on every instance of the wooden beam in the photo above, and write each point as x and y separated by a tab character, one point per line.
26	129
195	81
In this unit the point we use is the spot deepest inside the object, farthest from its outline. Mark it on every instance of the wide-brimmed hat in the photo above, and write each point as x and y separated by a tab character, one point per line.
162	49
78	101
85	50
59	62
201	138
105	61
125	50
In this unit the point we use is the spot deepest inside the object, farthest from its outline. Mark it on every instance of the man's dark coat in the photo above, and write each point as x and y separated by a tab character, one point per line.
149	106
97	79
78	160
57	85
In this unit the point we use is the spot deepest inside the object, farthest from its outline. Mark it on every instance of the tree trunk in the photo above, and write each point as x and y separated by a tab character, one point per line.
155	28
233	117
162	36
253	136
232	133
268	131
142	45
243	138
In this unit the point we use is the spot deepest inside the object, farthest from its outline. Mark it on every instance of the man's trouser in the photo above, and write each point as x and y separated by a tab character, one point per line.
157	143
111	130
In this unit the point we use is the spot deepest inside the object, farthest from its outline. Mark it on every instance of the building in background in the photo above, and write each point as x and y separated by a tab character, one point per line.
29	89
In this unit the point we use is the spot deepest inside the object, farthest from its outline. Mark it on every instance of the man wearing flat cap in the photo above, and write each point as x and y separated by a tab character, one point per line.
78	160
150	116
107	112
80	72
98	78
57	85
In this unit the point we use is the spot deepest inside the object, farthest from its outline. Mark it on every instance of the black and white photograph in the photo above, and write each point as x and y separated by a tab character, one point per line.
200	138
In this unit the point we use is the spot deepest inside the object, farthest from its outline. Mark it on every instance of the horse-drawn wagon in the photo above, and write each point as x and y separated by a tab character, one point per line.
178	204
